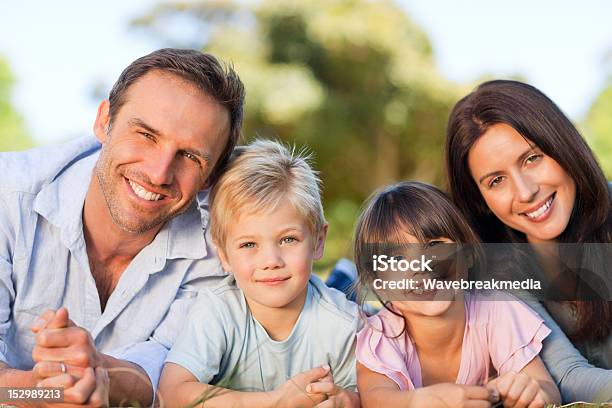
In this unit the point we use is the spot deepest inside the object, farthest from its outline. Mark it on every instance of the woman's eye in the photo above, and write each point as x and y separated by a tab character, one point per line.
495	181
398	258
247	245
533	158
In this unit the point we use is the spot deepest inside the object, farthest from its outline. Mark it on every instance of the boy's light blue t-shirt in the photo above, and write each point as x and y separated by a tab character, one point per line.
222	344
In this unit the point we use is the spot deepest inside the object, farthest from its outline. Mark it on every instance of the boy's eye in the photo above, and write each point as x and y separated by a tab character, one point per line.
495	181
247	245
288	240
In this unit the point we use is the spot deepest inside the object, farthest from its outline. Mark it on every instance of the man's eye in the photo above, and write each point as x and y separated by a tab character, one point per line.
191	157
247	245
147	135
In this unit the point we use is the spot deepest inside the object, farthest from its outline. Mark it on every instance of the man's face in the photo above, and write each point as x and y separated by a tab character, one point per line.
162	146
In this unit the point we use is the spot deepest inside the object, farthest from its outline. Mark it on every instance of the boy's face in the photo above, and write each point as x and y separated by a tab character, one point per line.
270	253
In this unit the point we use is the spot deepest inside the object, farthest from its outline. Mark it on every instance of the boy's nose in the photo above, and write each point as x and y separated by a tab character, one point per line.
272	259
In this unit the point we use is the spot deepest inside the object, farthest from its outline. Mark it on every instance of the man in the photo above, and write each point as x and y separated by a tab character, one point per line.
101	242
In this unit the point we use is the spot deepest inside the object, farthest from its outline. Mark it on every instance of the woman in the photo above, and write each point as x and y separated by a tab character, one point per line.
521	173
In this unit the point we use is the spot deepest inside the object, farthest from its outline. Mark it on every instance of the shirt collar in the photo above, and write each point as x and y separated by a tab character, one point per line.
61	203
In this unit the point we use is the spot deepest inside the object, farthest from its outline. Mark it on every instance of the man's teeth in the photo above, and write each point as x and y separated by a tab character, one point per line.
144	194
541	210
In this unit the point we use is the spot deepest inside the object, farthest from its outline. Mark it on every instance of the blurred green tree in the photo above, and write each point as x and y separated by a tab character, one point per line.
13	135
597	128
355	80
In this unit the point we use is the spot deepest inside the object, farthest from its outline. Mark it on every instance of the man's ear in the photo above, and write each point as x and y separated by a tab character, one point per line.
320	247
102	121
222	257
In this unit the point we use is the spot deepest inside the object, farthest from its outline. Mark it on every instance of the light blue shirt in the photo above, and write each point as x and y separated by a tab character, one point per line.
44	263
223	344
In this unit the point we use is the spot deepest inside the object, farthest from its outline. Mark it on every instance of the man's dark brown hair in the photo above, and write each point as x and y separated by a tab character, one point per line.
214	78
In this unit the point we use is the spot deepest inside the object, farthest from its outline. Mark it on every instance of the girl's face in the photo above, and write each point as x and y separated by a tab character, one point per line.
526	189
424	302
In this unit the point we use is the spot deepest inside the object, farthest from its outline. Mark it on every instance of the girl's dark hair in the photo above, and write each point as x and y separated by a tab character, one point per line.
538	119
409	207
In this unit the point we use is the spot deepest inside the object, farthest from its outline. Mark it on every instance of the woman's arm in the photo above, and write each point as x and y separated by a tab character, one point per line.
379	391
576	378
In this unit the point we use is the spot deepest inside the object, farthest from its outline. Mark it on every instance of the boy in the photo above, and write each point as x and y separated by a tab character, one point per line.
272	334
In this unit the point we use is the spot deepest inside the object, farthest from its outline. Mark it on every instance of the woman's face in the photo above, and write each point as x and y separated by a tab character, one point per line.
526	189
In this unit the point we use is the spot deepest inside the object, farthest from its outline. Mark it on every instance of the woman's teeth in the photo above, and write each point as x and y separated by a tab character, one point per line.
144	194
535	214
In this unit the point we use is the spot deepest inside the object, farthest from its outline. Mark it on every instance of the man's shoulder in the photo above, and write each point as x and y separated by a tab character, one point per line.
31	169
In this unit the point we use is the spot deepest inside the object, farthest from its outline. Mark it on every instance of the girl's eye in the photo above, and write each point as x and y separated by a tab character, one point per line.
495	181
533	158
288	240
247	245
433	243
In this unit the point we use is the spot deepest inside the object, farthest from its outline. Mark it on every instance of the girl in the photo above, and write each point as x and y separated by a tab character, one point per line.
521	173
436	351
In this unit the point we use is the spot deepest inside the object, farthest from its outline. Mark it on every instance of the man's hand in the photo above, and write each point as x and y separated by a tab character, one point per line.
62	347
91	390
64	352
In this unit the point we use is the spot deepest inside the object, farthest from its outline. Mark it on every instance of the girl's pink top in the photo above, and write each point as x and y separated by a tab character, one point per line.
505	332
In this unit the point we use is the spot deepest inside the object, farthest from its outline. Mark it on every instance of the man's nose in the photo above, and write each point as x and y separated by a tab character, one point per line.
161	167
526	188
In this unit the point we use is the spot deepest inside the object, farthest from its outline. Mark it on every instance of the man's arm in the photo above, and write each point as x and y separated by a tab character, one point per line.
11	377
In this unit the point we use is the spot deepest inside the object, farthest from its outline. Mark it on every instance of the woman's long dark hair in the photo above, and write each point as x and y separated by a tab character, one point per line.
538	119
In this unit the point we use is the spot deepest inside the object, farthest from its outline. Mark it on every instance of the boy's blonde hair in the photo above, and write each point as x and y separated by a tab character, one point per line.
257	178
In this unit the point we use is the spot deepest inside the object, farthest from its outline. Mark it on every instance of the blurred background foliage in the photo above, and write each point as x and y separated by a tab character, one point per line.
13	135
353	80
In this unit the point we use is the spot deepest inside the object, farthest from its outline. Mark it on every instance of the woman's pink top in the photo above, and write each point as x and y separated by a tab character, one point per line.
506	332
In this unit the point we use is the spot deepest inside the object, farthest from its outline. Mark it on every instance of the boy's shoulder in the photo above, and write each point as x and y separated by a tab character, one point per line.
222	297
332	305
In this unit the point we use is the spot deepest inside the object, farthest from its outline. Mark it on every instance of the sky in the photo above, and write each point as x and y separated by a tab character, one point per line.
61	51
